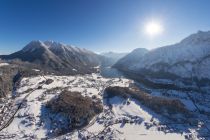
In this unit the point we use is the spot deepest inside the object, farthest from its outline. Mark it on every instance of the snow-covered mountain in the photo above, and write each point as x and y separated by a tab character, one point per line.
67	52
57	56
131	58
186	59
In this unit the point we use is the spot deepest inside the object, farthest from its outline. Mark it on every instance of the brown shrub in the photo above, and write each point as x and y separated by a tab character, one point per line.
79	109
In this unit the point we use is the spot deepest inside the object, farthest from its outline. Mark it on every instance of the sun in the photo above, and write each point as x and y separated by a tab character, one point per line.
153	28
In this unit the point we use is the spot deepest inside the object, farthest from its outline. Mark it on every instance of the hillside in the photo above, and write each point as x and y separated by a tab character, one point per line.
188	59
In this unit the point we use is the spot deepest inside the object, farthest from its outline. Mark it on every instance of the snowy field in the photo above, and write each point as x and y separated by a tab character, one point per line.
3	64
125	119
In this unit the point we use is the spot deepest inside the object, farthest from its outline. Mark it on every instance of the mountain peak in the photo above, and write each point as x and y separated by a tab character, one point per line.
199	37
140	50
35	44
53	43
203	32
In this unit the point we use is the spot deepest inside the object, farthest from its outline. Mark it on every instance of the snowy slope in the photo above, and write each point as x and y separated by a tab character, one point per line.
190	57
68	52
190	49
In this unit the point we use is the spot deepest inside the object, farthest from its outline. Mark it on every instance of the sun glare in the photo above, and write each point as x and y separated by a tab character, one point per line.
153	28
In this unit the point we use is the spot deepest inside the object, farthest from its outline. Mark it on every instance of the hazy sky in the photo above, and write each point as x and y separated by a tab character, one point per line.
99	25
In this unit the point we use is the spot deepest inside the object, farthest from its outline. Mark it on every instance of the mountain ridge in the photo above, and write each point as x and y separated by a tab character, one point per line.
187	59
56	56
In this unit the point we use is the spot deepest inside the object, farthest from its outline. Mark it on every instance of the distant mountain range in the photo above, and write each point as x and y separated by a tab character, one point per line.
114	55
57	57
111	58
188	59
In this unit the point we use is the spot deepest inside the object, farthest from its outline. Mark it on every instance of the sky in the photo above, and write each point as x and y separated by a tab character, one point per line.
100	25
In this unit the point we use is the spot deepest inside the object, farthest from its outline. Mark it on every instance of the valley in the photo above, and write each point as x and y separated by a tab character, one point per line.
27	116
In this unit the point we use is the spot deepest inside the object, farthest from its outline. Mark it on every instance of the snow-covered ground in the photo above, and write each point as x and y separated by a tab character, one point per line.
3	64
120	119
28	120
125	121
37	70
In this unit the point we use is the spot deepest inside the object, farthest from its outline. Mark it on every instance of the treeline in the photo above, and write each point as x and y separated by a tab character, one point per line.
10	75
155	103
